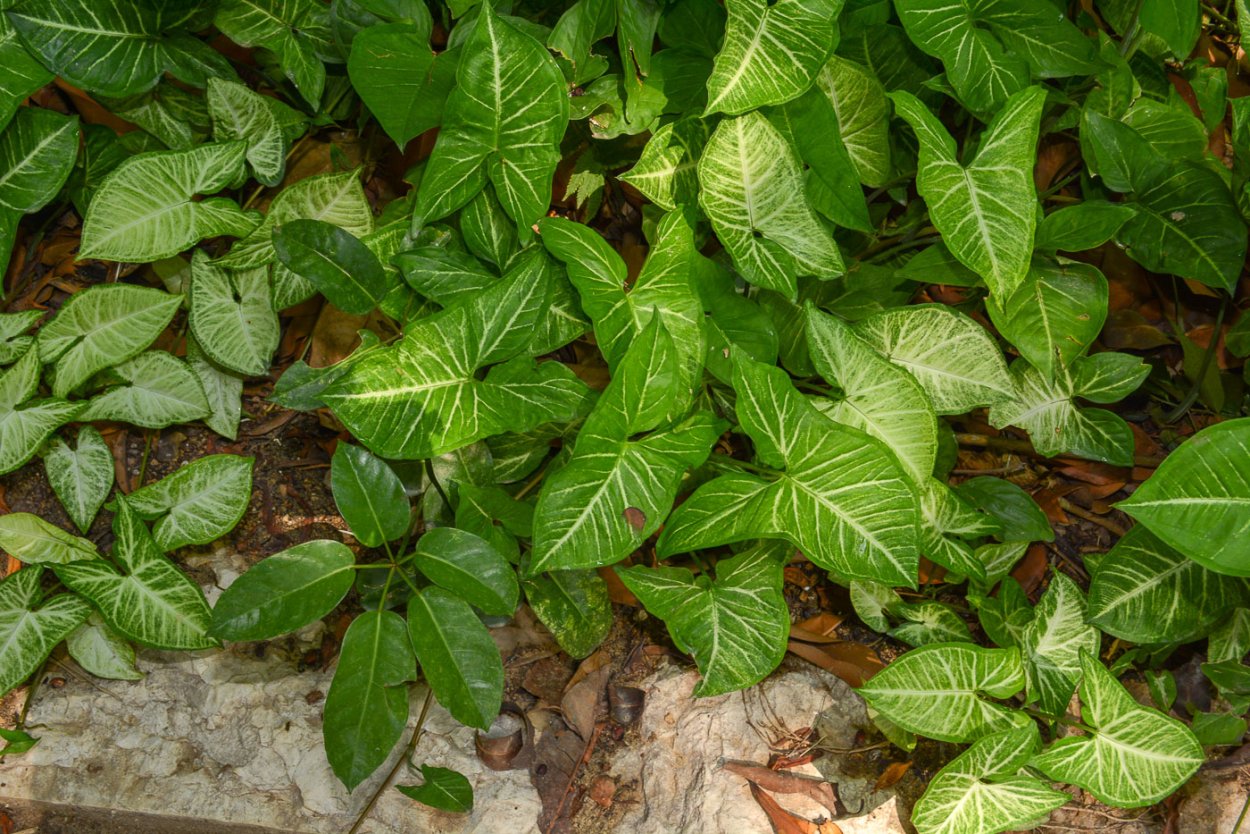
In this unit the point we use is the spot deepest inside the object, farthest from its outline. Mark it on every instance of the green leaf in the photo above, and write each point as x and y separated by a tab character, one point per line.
926	623
735	626
1231	639
285	592
1046	410
37	152
985	789
197	504
13	326
175	117
1020	516
469	567
621	312
878	397
422	396
952	357
102	326
457	655
990	48
334	261
1132	755
1186	223
1198	500
29	631
986	210
30	539
1083	226
155	390
942	691
118	48
367	706
1055	314
399	77
152	602
574	606
752	191
502	123
446	790
369	495
102	652
487	231
771	52
1218	729
22	75
667	170
1146	592
1052	643
295	31
81	477
266	124
615	491
144	211
24	426
1176	24
223	390
843	499
946	519
863	117
232	316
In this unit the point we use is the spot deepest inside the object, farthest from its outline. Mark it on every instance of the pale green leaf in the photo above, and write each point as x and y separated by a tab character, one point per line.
667	170
986	210
877	396
947	519
81	477
197	504
30	539
843	499
863	117
296	31
24	423
102	652
735	625
952	357
153	390
753	192
223	390
152	602
503	123
260	121
1132	755
29	631
13	326
771	52
925	623
37	152
942	691
1052	643
102	326
144	210
1143	591
985	789
232	316
1231	639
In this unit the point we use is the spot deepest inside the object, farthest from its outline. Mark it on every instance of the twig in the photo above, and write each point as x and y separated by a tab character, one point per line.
590	748
417	732
1245	806
981	441
1080	512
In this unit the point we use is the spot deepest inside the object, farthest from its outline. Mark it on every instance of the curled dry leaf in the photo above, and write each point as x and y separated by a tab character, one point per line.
852	662
782	781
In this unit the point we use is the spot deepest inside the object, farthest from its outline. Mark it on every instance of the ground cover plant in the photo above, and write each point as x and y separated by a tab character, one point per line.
874	231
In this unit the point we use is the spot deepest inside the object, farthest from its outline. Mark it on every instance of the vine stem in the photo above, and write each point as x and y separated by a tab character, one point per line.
417	732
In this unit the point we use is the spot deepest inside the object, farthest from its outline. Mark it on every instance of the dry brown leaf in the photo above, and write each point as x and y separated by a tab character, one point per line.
890	776
784	822
776	781
854	663
1032	568
817	629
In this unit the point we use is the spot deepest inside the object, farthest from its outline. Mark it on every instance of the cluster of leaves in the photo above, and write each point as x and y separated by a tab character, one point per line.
802	180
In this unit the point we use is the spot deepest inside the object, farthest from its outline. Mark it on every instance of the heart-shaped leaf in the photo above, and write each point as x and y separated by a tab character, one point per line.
1052	643
81	477
29	631
197	504
153	390
102	651
232	316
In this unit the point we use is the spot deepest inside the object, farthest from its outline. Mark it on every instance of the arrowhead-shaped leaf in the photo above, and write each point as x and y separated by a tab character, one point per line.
985	789
502	122
13	339
1052	643
1143	591
154	390
223	389
422	397
81	477
197	504
457	655
102	651
734	626
152	602
753	192
102	326
986	210
25	424
942	691
297	32
1198	500
266	124
144	210
667	170
232	316
1131	755
285	592
863	117
952	357
29	631
843	498
771	52
30	539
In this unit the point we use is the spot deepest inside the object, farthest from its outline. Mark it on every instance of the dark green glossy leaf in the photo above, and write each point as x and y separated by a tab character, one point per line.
457	655
470	568
446	790
369	495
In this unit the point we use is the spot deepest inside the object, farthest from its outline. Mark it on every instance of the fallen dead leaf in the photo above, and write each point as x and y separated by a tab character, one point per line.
890	776
784	822
817	629
781	781
854	663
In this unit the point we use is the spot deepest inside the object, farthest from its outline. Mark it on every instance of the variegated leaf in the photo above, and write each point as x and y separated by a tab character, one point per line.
197	504
30	631
81	477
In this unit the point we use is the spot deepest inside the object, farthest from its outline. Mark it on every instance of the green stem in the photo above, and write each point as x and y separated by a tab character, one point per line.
417	732
429	470
726	461
1207	355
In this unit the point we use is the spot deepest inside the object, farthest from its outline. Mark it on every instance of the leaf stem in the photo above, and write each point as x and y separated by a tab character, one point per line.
1207	355
429	471
417	732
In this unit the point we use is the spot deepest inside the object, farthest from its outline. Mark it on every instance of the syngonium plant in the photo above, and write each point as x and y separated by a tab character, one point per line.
801	171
